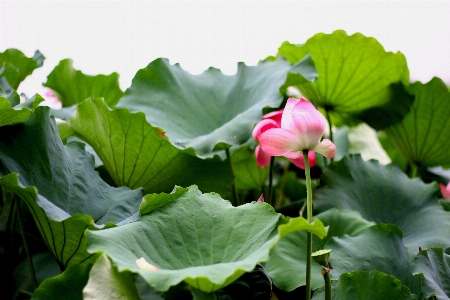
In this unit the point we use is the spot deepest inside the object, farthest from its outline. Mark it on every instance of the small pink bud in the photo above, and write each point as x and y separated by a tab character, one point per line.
261	198
445	191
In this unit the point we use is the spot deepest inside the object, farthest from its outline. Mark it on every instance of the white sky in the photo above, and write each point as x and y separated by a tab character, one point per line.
124	36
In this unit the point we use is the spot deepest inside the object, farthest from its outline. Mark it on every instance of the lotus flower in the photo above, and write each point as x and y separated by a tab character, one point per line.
301	128
269	121
445	190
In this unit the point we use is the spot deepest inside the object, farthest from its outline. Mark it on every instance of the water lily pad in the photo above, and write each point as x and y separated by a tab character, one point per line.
288	257
13	112
247	173
384	194
355	74
15	67
211	110
68	285
378	248
60	187
136	154
362	285
434	266
72	86
423	136
105	282
198	238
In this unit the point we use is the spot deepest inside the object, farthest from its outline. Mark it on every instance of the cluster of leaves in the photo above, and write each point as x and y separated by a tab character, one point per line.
114	176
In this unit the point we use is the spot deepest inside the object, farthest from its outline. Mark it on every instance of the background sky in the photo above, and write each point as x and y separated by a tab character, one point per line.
124	36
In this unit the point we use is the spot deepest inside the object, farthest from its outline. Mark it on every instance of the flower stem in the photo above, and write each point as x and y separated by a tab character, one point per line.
309	211
280	190
233	184
269	198
327	286
413	172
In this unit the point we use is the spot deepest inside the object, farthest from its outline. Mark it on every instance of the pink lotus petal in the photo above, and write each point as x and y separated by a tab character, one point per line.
261	198
286	120
277	142
326	148
445	190
262	159
293	155
300	161
309	124
262	126
275	116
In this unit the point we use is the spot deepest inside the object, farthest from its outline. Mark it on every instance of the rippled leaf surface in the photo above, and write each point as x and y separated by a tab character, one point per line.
60	186
209	111
198	238
71	86
136	154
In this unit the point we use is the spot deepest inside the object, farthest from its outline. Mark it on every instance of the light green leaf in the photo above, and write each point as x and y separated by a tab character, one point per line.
293	53
59	185
15	67
434	266
198	238
423	136
72	86
105	282
355	74
384	194
136	154
13	112
209	111
364	141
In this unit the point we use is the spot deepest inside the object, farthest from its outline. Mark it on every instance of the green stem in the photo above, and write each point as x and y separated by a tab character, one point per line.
330	128
280	190
233	184
413	171
309	213
25	244
327	286
272	161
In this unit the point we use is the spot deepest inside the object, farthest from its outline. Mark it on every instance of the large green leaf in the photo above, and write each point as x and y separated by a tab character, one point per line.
210	110
434	266
136	154
363	285
423	136
247	173
13	112
72	86
60	186
288	257
68	285
384	194
355	74
198	238
378	247
15	67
